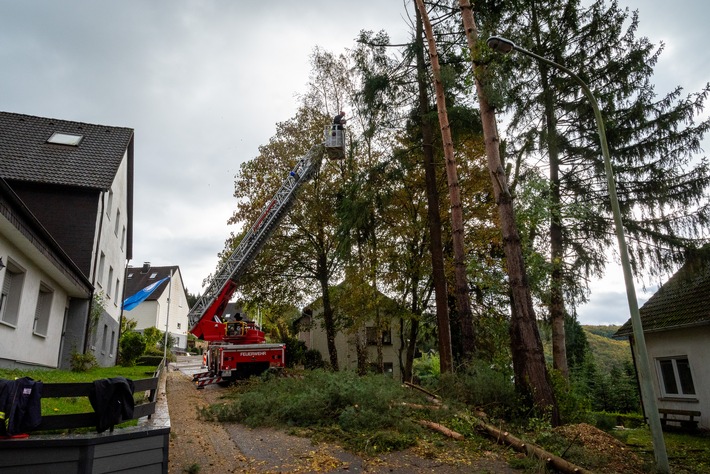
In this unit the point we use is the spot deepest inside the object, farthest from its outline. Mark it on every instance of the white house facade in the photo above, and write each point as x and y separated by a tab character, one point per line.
40	289
676	326
166	307
76	180
312	332
109	262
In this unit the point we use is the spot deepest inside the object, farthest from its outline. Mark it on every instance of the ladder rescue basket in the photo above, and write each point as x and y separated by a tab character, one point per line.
335	142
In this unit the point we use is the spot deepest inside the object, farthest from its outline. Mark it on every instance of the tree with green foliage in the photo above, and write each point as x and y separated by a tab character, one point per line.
152	336
132	347
577	345
653	143
532	378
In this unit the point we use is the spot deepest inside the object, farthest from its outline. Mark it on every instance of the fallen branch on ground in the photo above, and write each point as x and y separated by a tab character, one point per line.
434	397
519	445
421	407
441	429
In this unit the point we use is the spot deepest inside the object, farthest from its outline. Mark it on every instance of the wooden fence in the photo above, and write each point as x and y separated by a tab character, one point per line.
139	449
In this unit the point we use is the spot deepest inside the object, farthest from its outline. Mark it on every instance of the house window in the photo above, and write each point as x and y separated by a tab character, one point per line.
123	237
178	325
118	286
11	293
109	205
152	276
103	339
60	138
676	378
113	342
117	224
108	282
371	334
102	264
43	309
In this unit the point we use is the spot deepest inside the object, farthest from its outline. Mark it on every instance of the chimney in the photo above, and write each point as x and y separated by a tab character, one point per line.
146	267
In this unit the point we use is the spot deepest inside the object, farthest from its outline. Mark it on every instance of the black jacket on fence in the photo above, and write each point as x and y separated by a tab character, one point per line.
112	400
20	405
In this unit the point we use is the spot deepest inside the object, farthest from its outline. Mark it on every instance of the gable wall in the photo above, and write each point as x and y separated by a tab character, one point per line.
67	213
693	343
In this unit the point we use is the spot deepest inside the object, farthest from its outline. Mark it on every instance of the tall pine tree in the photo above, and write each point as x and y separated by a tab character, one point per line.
653	143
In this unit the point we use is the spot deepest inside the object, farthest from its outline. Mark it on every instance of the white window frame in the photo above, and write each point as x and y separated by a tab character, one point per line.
103	339
109	281
113	343
43	310
102	264
677	379
117	224
11	294
118	286
109	204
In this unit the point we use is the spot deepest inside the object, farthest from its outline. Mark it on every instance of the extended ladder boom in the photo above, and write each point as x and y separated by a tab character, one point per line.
204	317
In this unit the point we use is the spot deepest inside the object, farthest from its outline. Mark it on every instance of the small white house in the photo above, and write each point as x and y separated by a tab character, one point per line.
676	327
167	304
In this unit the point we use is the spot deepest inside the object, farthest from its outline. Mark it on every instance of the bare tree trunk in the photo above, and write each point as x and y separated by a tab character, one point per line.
531	376
556	305
411	341
328	319
360	341
463	303
437	254
411	349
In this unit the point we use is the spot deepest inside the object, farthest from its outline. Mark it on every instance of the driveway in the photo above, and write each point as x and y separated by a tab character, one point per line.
207	447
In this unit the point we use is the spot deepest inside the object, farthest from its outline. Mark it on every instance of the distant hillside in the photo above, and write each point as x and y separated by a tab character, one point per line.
607	352
604	331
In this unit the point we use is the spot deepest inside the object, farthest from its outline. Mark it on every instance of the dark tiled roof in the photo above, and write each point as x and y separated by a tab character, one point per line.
25	154
136	280
683	301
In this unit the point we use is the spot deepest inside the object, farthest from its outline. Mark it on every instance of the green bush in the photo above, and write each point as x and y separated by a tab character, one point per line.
312	359
484	386
295	349
572	406
132	347
82	362
171	341
607	421
152	336
426	370
150	360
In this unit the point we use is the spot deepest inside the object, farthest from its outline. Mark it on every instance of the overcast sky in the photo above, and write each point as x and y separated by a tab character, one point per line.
203	84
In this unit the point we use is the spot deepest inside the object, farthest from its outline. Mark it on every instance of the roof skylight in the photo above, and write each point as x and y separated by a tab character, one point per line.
61	138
